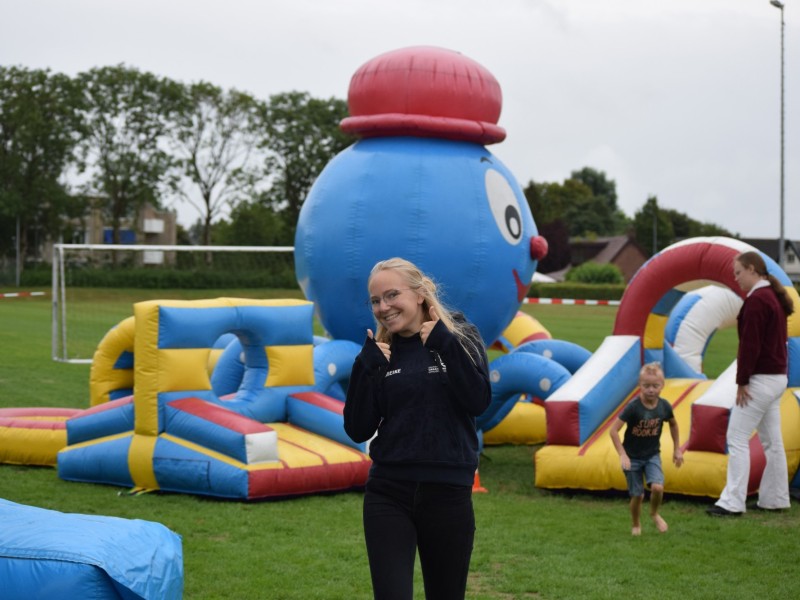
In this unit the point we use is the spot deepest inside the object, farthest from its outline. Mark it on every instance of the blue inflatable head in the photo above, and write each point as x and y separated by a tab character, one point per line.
451	207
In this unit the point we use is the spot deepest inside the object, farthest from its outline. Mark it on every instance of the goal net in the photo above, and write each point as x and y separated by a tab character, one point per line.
94	286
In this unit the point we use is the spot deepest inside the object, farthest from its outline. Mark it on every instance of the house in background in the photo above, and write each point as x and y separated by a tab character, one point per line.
621	251
626	254
791	254
151	227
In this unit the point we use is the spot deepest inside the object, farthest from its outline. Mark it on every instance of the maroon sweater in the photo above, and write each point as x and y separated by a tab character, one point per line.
762	337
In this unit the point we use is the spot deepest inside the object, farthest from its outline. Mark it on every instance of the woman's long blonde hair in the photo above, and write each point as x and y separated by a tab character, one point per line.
423	285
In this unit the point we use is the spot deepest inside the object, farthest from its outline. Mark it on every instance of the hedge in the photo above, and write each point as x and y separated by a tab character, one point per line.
277	278
577	291
161	278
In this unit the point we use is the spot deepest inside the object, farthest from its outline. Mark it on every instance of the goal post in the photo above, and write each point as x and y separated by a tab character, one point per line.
94	286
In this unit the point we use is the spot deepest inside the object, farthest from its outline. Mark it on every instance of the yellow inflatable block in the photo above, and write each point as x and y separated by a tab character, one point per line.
525	424
103	377
288	365
21	446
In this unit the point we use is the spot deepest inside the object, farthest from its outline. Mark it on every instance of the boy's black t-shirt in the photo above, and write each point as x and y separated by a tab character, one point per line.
643	432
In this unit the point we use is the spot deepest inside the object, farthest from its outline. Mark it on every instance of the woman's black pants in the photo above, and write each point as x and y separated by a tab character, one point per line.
403	516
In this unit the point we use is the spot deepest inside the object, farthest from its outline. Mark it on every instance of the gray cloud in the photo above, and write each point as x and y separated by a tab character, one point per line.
674	98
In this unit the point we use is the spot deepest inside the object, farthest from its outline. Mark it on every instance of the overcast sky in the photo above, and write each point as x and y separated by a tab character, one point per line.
674	98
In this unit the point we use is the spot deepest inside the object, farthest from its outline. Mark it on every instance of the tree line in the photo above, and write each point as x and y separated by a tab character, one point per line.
585	206
115	138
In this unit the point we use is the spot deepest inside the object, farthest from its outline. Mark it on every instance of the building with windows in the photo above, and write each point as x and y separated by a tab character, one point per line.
791	254
150	227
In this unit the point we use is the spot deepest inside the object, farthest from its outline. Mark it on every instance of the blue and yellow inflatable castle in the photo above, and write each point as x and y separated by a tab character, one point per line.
277	435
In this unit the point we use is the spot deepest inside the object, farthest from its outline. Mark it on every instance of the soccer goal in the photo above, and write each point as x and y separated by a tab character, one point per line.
94	286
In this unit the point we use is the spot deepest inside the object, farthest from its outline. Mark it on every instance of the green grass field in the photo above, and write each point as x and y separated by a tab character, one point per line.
530	543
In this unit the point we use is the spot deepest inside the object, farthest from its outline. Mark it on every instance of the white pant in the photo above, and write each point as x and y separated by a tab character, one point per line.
762	413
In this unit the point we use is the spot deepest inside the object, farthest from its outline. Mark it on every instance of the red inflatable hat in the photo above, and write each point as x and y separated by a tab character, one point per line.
425	91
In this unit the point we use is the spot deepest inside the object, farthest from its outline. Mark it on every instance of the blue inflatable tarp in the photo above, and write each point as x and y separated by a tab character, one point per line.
54	555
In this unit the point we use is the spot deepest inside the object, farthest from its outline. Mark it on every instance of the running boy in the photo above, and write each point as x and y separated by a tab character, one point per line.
640	452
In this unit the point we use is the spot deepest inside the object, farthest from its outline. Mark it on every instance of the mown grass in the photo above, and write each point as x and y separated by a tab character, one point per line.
530	543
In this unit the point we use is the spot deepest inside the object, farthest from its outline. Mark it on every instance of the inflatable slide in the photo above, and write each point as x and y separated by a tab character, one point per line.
653	315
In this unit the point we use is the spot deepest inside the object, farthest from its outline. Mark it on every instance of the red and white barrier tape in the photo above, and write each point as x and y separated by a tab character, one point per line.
568	301
21	294
571	301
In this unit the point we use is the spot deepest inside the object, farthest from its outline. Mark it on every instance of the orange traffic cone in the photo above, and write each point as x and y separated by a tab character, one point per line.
476	485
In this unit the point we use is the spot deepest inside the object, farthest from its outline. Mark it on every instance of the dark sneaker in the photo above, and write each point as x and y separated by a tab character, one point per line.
718	511
772	510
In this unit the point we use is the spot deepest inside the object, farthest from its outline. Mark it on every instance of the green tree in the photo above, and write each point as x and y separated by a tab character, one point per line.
571	202
545	201
129	114
585	214
548	203
559	253
656	228
653	227
302	136
40	126
586	203
612	220
215	138
253	224
685	227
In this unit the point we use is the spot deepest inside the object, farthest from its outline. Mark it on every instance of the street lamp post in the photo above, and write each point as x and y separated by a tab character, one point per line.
779	5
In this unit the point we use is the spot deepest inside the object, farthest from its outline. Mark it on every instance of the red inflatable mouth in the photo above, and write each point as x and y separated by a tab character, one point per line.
522	288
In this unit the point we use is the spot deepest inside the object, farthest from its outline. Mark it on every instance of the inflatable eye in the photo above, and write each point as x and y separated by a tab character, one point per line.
505	207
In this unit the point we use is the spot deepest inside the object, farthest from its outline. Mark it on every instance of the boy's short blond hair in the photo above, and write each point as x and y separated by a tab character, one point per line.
652	368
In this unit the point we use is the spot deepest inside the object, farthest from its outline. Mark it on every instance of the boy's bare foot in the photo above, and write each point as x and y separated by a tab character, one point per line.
661	524
636	530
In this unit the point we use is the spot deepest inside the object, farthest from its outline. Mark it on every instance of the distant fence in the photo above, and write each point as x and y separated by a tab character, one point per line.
21	294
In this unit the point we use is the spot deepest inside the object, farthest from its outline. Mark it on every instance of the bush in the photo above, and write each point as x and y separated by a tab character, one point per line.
166	278
189	271
36	276
578	291
592	272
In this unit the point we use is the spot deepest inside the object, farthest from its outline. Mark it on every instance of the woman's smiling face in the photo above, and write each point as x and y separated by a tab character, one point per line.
398	308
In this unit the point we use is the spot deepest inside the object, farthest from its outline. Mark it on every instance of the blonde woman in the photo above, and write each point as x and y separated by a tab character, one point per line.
417	386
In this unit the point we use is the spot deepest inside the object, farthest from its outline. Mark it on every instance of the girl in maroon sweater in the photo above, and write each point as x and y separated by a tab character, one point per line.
761	366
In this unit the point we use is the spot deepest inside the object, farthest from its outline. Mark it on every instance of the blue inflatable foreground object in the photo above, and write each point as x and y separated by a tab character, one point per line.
54	555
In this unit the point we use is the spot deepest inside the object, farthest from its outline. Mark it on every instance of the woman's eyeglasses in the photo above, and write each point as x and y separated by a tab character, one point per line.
389	298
